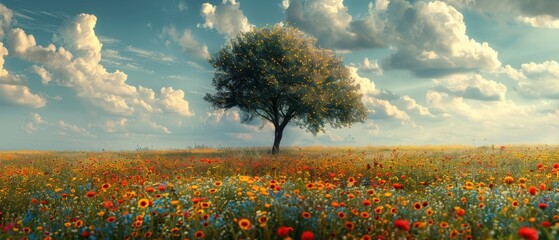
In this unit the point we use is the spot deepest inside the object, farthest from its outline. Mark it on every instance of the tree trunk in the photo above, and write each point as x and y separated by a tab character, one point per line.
277	139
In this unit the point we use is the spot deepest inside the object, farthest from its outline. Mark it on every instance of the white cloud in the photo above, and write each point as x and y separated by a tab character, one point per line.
43	74
471	86
536	80
12	89
227	19
542	21
112	126
483	112
431	41
81	70
74	128
5	19
150	54
186	42
173	101
379	108
538	13
334	27
34	123
381	5
371	66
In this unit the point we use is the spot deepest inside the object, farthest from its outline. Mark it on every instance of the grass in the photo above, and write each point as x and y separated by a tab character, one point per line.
434	192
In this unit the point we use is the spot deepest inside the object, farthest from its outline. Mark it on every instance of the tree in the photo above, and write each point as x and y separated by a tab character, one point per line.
279	75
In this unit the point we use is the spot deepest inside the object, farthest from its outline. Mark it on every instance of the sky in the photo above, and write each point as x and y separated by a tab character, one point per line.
118	75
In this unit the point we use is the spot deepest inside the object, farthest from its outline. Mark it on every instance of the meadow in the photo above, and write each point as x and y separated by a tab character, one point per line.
401	192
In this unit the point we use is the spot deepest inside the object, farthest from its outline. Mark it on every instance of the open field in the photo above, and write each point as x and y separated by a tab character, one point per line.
434	192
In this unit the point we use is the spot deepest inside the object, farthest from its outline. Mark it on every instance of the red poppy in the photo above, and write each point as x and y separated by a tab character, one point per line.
546	224
284	231
349	226
402	224
366	202
90	194
308	235
543	205
398	186
532	190
528	233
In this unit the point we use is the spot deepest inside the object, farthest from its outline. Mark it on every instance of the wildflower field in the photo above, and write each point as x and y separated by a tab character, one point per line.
402	192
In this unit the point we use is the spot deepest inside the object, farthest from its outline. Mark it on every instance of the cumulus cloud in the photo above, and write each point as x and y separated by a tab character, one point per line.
536	13
542	21
173	101
5	19
13	89
536	80
186	42
77	66
431	41
34	123
334	27
43	74
67	127
228	19
370	66
384	104
471	86
487	112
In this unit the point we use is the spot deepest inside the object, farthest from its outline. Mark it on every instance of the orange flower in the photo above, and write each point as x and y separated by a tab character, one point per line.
509	179
205	204
105	186
199	234
78	223
378	210
148	234
443	225
341	215
365	215
262	221
417	206
366	202
306	215
349	226
143	203
244	224
515	203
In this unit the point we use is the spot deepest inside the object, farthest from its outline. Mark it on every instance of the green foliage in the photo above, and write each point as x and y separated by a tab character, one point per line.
278	74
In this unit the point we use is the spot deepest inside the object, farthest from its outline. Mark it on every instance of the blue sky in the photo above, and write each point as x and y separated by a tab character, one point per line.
91	75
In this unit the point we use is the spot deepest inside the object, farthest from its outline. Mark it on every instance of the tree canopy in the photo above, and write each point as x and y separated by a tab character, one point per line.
279	75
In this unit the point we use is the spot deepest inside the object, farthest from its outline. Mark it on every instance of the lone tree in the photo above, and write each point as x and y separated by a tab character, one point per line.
278	74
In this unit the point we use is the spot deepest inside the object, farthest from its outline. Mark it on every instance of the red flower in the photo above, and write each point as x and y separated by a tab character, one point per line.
90	194
85	234
532	190
556	165
528	233
397	186
402	224
546	224
284	231
366	202
543	205
308	235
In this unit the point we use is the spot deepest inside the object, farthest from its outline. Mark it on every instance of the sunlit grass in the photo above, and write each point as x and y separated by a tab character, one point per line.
370	192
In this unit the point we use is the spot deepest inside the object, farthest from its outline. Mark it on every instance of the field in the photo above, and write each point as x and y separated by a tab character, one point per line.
429	192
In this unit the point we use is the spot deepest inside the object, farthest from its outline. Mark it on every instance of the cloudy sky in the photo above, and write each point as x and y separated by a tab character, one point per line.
91	75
